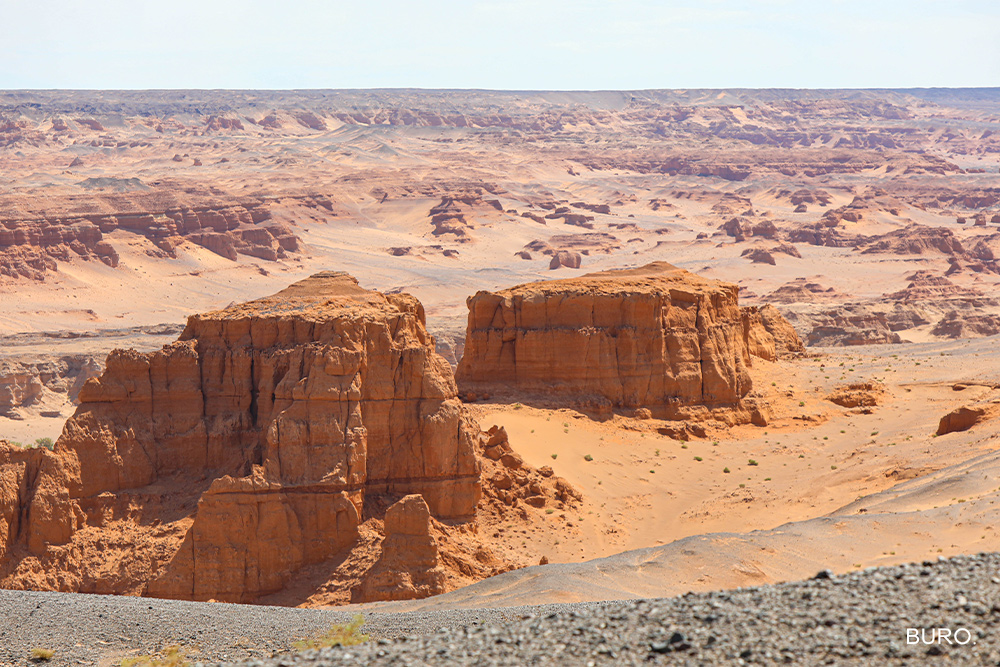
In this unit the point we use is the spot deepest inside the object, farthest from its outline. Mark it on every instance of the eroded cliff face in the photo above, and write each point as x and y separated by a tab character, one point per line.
18	468
656	337
30	246
244	451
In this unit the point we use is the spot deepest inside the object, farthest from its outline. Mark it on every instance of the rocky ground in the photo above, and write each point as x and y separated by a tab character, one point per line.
860	618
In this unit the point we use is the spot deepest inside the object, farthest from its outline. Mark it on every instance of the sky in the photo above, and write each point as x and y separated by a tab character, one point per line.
499	44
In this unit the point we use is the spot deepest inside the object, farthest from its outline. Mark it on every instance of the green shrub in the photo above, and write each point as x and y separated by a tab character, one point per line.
173	656
42	654
348	634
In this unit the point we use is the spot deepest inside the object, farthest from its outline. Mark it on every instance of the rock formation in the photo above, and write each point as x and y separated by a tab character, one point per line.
571	260
508	481
31	246
655	337
410	567
573	246
740	228
955	312
965	417
858	395
457	215
25	384
244	451
786	340
802	290
759	256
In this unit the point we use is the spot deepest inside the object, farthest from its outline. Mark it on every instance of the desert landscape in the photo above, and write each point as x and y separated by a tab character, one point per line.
416	351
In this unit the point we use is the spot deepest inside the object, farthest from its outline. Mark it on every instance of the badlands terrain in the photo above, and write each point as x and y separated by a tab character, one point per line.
429	350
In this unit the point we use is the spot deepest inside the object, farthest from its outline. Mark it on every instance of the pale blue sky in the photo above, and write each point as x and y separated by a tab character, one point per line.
498	44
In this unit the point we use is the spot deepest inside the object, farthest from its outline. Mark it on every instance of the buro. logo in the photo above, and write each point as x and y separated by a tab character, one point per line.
929	636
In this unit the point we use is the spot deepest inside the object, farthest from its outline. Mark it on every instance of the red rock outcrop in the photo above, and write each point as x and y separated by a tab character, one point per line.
851	324
928	298
655	337
253	440
758	256
964	418
965	325
786	339
410	566
18	469
508	482
858	395
570	260
576	244
740	228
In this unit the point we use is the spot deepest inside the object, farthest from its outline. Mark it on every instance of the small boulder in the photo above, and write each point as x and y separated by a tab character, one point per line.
571	260
512	460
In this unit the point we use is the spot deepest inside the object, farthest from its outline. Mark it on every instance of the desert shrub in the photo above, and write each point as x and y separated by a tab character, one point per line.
42	654
348	634
45	442
172	656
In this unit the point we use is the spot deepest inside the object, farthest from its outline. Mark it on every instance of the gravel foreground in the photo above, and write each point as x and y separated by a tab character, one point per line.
861	618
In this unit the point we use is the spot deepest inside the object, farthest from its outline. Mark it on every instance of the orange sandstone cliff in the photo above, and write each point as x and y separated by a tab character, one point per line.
219	466
655	337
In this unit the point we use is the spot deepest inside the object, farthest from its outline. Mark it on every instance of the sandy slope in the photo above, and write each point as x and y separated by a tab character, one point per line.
844	492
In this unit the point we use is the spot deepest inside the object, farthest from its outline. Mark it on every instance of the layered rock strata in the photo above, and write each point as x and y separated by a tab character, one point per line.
244	451
655	337
31	246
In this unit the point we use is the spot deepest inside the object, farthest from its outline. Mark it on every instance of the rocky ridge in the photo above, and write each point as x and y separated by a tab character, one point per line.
31	246
929	300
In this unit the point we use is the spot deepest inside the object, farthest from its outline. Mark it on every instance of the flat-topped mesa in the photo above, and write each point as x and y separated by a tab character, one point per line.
277	417
326	362
655	337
